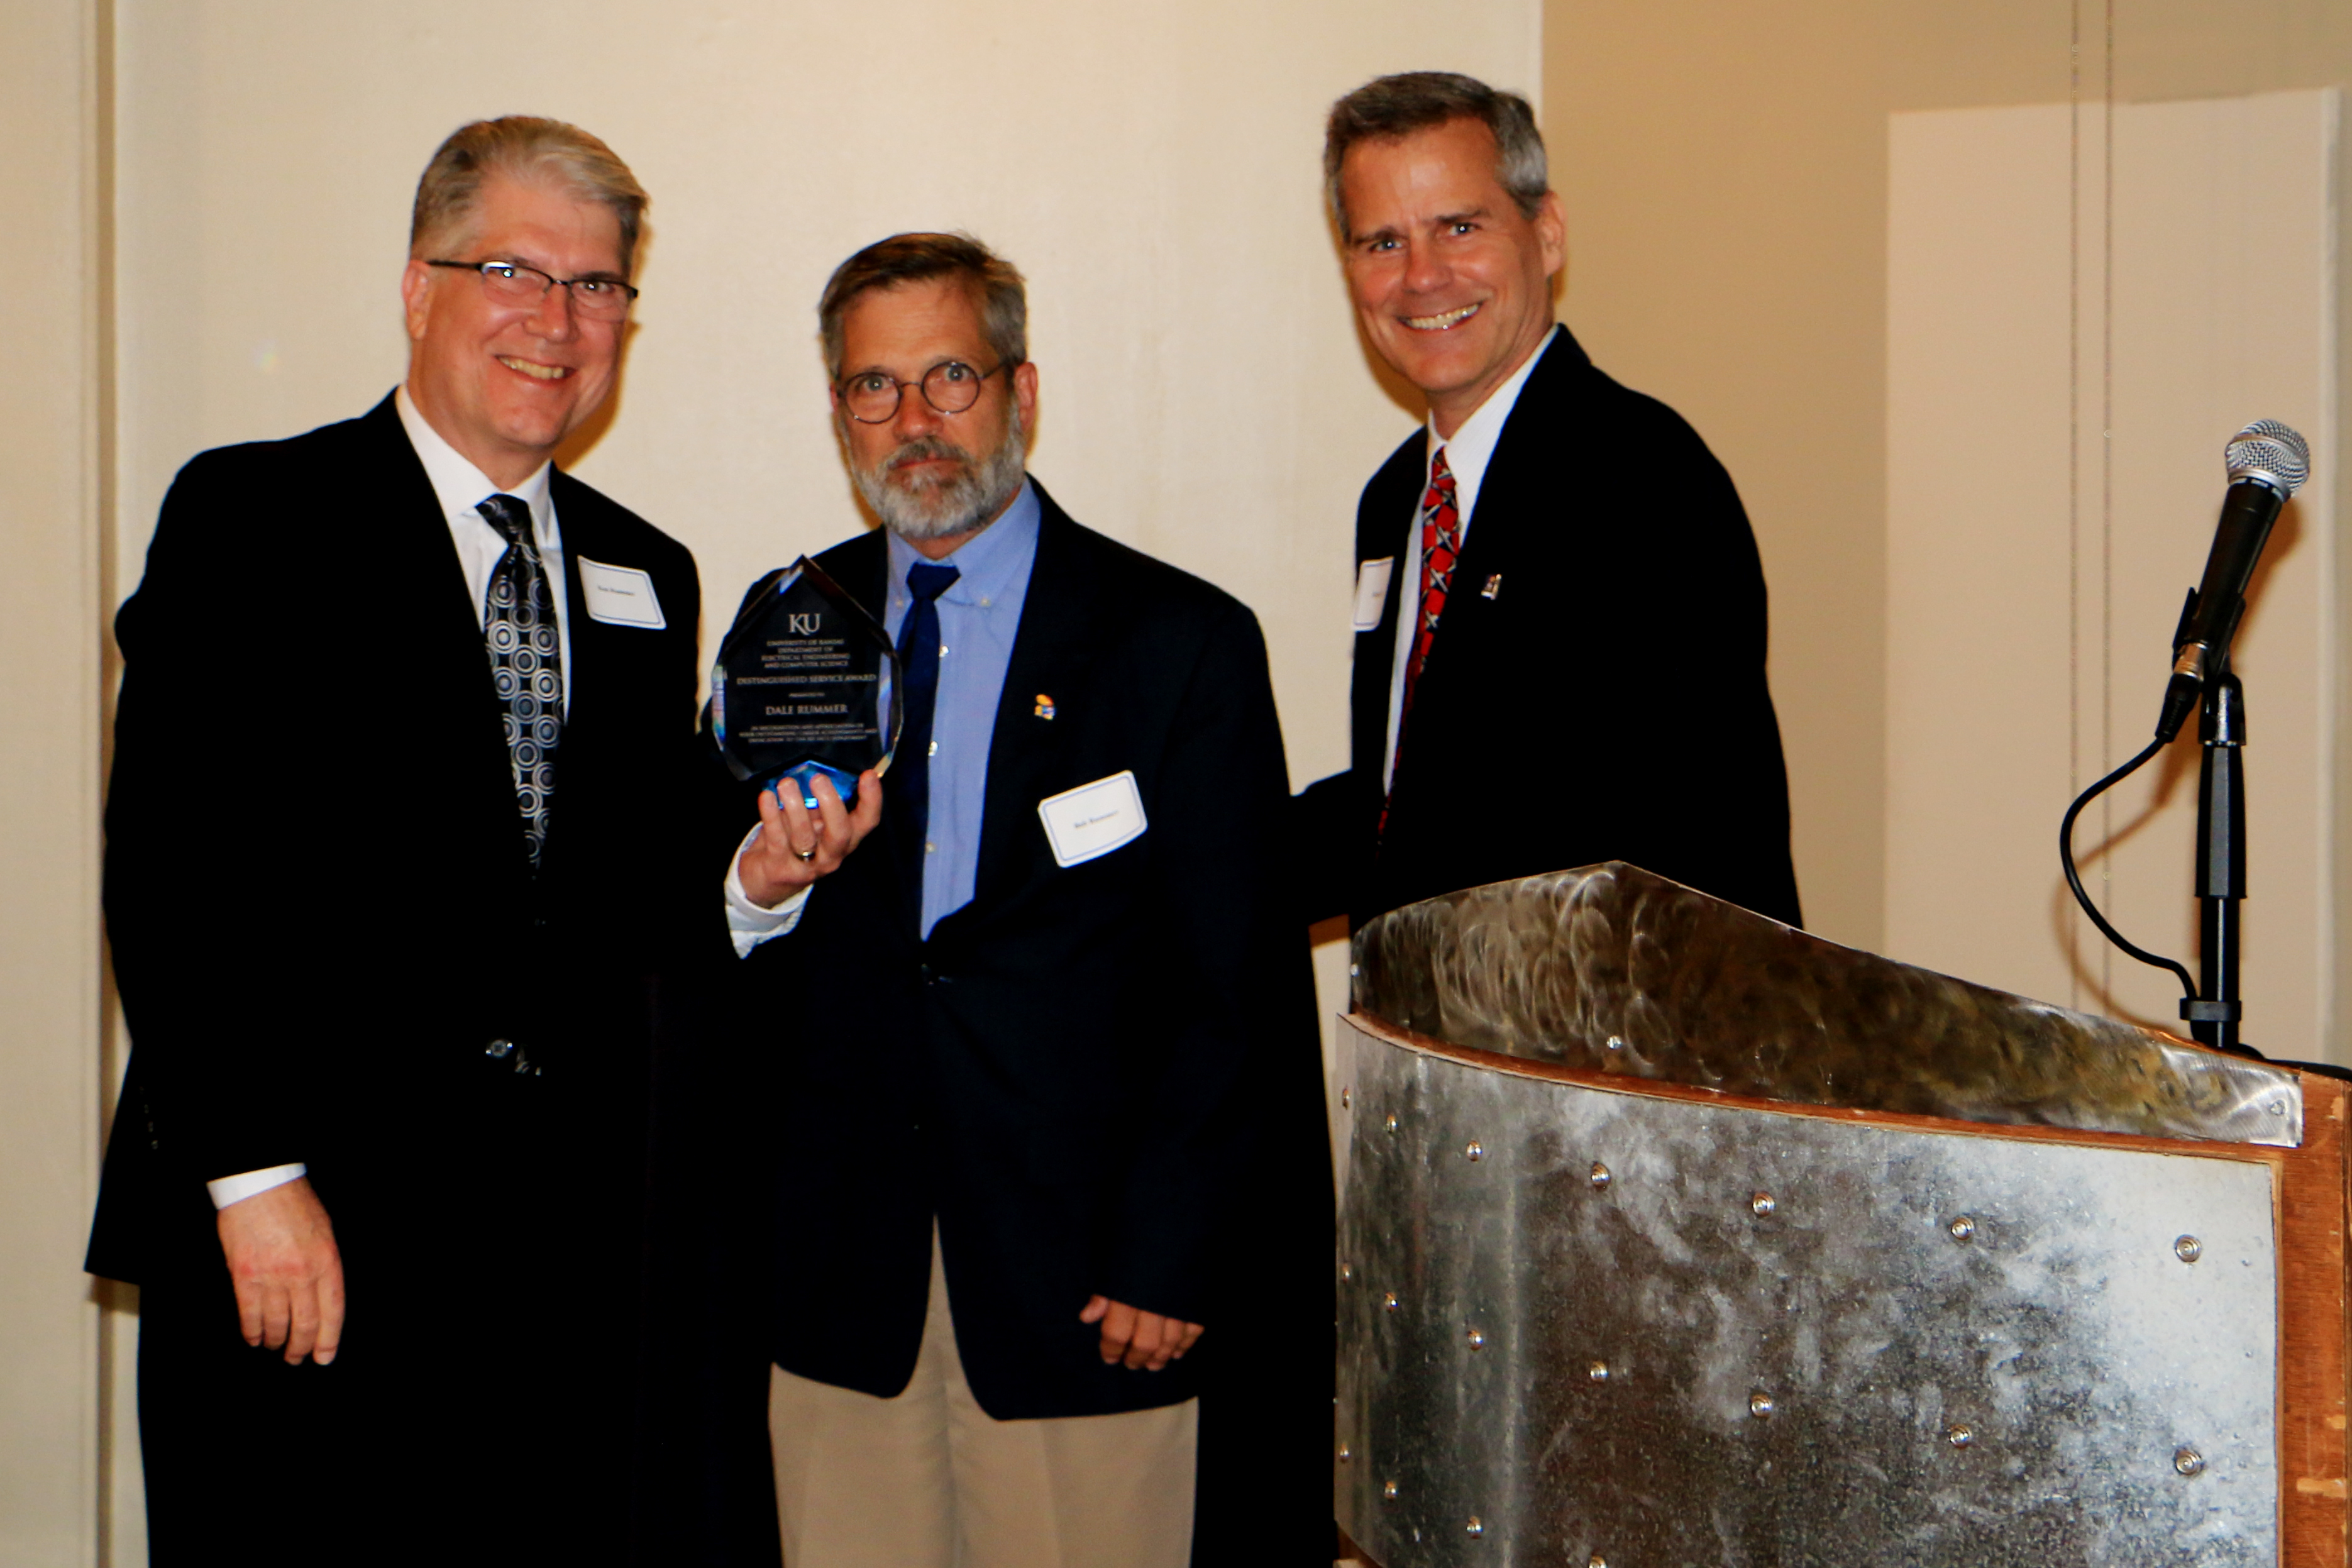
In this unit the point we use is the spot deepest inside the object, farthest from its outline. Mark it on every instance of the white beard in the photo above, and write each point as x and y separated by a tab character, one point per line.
941	509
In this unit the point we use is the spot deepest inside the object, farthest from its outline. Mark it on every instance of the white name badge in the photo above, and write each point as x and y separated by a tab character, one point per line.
619	595
1093	819
1373	591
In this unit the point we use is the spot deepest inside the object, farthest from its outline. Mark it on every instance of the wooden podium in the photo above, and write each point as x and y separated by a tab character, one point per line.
1669	1234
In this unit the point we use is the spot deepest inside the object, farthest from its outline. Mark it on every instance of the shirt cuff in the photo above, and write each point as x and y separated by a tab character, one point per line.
747	923
251	1184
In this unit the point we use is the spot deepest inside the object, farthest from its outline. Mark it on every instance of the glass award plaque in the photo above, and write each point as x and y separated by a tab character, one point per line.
806	684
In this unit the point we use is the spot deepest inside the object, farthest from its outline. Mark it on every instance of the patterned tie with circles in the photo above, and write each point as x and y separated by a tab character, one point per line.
526	663
1441	544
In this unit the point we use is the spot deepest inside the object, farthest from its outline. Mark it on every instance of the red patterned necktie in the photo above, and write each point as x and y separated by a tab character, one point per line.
1440	543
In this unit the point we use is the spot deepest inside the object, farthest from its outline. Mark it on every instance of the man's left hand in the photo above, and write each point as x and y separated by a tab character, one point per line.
1139	1339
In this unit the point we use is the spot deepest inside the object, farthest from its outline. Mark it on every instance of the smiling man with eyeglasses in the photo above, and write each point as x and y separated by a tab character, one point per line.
1046	1088
405	713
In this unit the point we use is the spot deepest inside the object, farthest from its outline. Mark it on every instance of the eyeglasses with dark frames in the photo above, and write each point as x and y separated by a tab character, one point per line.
950	387
513	283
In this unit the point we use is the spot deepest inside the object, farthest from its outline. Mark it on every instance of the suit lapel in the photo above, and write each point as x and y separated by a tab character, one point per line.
1385	527
1059	616
1527	459
419	586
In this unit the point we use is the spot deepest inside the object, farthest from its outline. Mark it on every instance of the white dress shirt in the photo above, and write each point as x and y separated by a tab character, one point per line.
1467	452
460	488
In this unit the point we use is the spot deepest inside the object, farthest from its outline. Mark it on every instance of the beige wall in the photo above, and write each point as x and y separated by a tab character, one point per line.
1724	174
1723	169
51	419
2029	598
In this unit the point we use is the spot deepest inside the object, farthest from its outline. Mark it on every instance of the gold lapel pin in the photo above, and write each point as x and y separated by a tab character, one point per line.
1045	706
1494	587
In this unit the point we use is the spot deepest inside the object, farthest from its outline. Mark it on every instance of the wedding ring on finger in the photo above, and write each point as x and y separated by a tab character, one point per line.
805	855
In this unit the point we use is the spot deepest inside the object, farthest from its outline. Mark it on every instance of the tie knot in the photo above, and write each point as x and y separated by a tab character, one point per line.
510	515
1441	474
926	581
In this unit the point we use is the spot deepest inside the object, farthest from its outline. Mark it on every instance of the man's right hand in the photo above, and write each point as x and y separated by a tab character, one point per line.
289	1277
795	846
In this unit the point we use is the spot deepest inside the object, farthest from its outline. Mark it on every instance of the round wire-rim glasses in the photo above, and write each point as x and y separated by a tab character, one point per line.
517	283
950	387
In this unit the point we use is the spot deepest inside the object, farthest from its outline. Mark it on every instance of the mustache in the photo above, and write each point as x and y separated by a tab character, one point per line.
926	450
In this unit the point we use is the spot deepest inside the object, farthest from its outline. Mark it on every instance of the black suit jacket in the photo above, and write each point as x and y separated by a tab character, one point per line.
1596	689
317	893
1074	1072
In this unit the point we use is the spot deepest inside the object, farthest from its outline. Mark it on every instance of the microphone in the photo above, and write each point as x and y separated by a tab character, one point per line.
2268	462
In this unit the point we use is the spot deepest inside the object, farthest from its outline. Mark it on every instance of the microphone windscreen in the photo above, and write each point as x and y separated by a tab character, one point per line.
2271	452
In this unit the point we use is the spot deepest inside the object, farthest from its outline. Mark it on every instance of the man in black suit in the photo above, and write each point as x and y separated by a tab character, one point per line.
1047	1147
405	713
1560	612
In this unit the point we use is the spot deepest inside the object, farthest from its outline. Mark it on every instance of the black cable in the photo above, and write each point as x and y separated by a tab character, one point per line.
2067	858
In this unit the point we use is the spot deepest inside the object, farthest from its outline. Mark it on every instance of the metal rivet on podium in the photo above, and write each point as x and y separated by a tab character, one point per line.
1598	1372
1347	1100
1760	1405
1762	1204
1616	1041
1347	1272
2188	1462
1387	1300
1599	1175
1345	1454
1392	1124
1478	1337
2278	1108
1959	1435
1473	1527
1473	1151
1962	1229
2188	1249
1596	1561
1389	1489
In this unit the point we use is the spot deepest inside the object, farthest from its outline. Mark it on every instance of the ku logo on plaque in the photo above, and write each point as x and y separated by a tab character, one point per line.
806	683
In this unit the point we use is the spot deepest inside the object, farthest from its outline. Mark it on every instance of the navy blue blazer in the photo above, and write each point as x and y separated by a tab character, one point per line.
317	893
1596	690
1073	1075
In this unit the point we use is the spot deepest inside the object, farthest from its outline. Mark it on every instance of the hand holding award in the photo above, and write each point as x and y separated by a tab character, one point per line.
805	689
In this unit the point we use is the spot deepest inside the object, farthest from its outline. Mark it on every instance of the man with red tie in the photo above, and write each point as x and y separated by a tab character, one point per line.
1560	612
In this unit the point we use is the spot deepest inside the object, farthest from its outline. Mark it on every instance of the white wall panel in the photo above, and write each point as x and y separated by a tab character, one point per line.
2072	338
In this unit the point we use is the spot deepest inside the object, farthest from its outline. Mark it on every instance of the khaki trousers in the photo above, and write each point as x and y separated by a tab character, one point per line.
931	1480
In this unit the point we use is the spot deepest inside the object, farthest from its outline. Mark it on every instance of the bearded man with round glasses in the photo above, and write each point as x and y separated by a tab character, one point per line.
405	713
1044	1100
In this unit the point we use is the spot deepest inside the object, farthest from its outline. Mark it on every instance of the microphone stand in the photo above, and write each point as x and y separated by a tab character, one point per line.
2214	1012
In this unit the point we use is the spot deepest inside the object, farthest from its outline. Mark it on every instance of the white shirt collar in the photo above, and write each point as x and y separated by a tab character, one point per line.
459	486
1472	445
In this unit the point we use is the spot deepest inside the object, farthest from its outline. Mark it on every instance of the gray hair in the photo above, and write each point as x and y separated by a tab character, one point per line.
1393	107
531	151
996	285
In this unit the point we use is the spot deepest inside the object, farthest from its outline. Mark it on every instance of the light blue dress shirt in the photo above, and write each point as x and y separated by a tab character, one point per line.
979	615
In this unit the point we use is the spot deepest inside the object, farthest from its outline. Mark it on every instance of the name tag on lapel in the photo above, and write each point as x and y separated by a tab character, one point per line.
1373	591
619	595
1093	819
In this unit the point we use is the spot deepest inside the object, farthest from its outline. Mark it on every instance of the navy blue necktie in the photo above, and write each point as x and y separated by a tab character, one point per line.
910	795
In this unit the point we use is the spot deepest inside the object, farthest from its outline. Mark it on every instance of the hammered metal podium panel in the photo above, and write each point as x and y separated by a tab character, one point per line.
1611	969
1582	1326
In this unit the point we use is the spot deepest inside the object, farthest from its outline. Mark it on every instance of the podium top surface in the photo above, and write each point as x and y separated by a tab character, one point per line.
1609	969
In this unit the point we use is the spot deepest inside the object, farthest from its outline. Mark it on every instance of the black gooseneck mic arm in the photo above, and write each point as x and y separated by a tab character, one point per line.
2268	462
